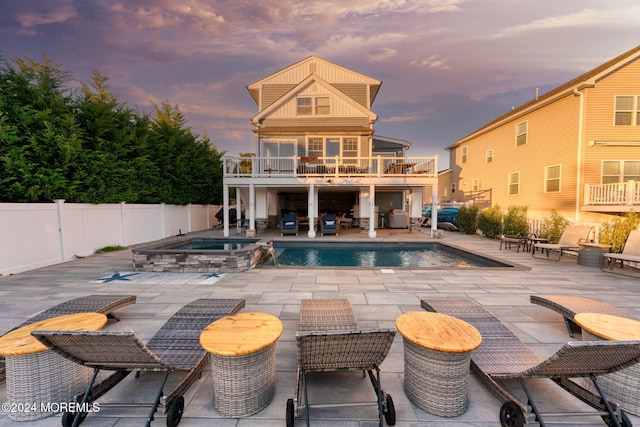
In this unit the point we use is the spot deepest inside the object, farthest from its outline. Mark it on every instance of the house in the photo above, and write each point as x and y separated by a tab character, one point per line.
575	149
317	152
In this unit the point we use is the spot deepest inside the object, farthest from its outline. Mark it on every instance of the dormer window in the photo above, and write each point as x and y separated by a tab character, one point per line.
313	105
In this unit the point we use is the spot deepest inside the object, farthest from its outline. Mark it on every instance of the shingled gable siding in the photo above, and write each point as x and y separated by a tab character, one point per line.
356	91
273	92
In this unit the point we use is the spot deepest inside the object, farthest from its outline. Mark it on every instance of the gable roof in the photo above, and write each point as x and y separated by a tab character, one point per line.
287	97
320	67
588	79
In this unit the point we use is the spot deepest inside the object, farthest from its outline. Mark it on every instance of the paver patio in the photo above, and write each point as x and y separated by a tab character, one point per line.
378	297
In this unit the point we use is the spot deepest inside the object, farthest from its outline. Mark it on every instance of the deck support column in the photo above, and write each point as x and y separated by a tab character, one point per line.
373	219
312	213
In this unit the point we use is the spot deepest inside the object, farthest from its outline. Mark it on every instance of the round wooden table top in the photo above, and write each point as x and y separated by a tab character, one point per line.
439	332
608	326
20	341
241	333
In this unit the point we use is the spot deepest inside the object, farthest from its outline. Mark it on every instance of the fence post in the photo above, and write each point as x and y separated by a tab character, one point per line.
59	208
630	185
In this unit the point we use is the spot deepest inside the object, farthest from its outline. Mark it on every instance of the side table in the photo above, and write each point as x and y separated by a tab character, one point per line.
40	377
243	361
437	354
622	386
591	254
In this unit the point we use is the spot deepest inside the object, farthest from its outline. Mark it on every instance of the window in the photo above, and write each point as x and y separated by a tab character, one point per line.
552	179
627	111
521	133
514	183
350	147
322	105
316	148
453	187
463	154
308	106
615	171
489	156
475	184
304	107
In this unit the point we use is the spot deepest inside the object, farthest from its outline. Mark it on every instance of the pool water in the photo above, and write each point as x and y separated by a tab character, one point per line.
423	255
214	244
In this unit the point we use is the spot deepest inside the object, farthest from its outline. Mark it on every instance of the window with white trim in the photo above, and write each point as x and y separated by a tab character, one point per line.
453	187
475	184
350	148
464	154
514	183
522	130
627	110
552	178
315	147
617	171
308	105
489	156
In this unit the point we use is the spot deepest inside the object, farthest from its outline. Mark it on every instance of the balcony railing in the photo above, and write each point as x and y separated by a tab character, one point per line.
625	193
309	166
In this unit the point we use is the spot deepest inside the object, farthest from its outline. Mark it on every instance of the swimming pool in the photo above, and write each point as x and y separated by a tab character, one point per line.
382	254
213	244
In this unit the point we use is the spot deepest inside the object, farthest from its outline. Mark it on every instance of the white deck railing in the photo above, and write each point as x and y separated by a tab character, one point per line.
278	167
625	193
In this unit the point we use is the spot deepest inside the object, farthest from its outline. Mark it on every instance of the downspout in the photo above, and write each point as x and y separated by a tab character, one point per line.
576	92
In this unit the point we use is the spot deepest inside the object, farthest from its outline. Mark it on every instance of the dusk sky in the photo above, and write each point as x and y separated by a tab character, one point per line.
447	66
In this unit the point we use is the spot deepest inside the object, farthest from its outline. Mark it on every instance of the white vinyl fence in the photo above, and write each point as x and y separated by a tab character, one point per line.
35	235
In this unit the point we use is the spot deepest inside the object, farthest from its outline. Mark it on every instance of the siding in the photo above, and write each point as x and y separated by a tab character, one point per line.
273	92
356	91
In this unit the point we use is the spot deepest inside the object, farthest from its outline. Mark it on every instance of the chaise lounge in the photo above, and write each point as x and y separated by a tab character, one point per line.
105	304
568	241
174	348
630	252
503	356
328	340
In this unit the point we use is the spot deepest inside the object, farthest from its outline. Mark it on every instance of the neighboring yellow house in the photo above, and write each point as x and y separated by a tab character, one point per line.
575	149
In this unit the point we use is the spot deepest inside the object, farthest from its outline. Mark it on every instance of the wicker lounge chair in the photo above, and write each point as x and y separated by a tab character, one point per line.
630	252
503	356
104	304
338	346
175	347
329	224
289	224
568	241
570	305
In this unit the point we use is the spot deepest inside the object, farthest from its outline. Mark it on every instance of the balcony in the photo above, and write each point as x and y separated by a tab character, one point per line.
619	197
308	166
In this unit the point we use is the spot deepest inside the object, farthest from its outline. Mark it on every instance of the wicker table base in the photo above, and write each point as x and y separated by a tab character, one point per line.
39	383
623	386
436	382
243	385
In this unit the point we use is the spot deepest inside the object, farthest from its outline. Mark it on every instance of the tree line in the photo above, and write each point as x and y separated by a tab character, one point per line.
83	144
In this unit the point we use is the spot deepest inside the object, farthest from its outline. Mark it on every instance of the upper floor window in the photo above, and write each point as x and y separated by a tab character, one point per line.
316	147
308	106
514	183
552	178
350	147
615	171
627	110
453	187
489	156
464	154
521	133
475	184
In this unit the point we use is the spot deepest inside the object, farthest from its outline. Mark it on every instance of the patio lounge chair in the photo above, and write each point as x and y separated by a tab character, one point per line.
289	224
104	304
503	356
570	305
175	347
337	345
630	252
329	224
568	241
